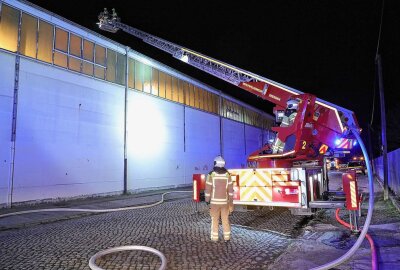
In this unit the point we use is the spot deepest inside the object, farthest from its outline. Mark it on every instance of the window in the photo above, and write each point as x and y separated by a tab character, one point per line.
252	118
154	82
207	101
181	91
29	27
87	68
139	74
131	73
9	20
186	92
100	55
200	97
161	84
232	110
61	40
75	45
74	64
99	72
111	65
196	97
213	103
61	43
88	50
60	59
121	69
168	87
45	42
175	92
146	78
206	96
191	95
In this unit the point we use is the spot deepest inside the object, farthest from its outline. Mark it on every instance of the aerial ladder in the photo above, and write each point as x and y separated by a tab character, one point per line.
290	172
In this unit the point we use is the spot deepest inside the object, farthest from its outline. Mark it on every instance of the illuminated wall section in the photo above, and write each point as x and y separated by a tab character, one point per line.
253	137
154	142
7	68
233	143
69	134
202	142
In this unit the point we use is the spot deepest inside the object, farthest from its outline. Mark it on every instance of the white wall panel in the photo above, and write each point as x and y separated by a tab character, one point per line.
234	147
202	142
69	134
253	139
155	142
7	70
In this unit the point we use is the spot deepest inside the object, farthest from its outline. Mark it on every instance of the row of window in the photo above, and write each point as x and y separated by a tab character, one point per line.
43	41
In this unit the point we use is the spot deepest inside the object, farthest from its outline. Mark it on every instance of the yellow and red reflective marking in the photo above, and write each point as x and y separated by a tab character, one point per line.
255	178
195	190
280	177
323	149
345	144
259	193
353	194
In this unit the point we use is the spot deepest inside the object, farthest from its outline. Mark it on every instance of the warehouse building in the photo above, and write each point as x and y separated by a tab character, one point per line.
82	115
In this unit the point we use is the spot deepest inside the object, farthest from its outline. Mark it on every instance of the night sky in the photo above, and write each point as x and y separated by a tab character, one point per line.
326	48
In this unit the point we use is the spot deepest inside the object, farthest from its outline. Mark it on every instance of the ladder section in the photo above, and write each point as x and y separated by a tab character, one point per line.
265	88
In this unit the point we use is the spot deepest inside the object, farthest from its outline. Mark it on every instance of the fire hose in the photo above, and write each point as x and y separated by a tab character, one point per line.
369	238
92	261
364	230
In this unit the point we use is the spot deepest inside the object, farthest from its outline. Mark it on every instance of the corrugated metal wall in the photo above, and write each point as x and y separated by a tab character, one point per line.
69	139
7	68
70	136
393	172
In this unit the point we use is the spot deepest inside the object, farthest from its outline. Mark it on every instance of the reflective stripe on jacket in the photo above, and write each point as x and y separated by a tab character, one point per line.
219	188
288	120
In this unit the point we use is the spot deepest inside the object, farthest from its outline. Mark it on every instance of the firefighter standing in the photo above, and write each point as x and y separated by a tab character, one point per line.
287	121
219	193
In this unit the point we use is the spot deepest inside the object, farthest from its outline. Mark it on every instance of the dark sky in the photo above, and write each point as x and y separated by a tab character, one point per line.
322	47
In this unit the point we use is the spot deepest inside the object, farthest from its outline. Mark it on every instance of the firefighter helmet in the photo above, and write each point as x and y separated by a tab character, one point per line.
219	162
292	104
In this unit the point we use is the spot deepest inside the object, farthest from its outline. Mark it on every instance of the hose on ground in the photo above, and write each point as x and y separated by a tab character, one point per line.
364	230
374	259
92	260
90	210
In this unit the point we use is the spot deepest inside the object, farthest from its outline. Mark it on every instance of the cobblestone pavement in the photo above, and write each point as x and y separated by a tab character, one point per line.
174	228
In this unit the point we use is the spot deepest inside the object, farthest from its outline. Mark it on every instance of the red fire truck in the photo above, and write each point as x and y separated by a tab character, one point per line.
291	172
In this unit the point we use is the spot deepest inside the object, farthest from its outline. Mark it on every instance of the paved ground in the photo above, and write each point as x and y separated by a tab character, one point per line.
57	240
262	239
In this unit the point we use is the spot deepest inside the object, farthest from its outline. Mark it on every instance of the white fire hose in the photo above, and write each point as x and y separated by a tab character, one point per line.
361	237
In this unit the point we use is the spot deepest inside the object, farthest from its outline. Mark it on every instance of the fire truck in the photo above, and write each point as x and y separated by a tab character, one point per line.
292	175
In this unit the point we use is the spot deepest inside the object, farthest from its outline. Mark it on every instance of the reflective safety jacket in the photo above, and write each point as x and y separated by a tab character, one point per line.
219	188
288	120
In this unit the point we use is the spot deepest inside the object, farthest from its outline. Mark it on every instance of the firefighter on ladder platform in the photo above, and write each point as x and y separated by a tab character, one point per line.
219	194
287	121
